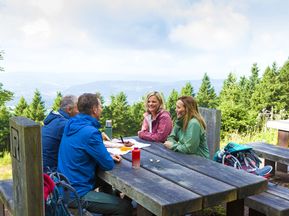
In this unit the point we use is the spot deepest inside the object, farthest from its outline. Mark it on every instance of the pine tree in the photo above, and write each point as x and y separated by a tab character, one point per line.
118	112
57	101
36	110
136	117
1	58
187	90
283	88
21	107
206	96
5	114
171	104
234	115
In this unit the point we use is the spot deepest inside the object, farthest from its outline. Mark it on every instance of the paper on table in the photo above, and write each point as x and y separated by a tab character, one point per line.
119	151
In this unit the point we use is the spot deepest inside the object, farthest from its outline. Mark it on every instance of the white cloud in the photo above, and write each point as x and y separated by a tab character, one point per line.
145	39
211	27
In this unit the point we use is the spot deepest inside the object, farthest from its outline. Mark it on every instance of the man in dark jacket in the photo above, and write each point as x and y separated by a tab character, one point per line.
82	151
53	129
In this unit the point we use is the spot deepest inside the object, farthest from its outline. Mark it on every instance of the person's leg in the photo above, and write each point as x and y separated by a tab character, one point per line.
103	203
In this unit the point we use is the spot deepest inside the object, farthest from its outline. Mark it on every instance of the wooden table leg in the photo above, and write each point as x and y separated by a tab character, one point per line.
141	211
283	141
235	208
253	212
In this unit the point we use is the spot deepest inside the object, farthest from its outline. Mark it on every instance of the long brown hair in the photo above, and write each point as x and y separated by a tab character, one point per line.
192	111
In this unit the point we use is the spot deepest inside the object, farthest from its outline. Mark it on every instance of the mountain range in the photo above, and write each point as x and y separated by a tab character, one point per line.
134	90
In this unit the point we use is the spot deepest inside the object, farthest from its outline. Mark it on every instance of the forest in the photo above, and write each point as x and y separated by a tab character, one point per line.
246	103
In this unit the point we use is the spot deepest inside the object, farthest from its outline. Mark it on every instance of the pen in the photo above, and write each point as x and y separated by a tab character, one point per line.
121	139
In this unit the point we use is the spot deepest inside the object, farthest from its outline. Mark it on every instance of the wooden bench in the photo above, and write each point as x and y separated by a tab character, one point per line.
271	153
273	202
6	196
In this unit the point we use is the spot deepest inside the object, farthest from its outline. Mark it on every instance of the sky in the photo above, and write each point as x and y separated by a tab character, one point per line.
82	41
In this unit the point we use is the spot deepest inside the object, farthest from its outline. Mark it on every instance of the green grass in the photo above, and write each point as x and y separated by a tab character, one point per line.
269	136
5	166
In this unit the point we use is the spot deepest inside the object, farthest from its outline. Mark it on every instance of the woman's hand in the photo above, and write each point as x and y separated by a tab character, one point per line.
168	144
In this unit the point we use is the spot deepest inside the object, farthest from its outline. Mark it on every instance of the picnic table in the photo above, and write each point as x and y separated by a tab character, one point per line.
171	183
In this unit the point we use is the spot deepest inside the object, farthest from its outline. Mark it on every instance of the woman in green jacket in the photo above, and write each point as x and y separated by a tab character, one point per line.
189	132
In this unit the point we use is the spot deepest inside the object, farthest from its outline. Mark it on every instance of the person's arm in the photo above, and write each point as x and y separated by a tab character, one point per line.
192	141
97	150
163	130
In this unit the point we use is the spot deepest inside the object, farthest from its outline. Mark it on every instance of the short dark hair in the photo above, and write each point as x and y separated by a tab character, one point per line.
86	102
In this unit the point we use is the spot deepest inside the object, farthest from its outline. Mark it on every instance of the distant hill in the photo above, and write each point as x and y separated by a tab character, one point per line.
133	89
136	89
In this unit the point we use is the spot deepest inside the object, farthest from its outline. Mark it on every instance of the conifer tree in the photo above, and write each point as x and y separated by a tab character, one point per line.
1	58
20	109
118	112
171	104
36	110
57	101
234	115
187	90
136	112
206	96
283	88
5	113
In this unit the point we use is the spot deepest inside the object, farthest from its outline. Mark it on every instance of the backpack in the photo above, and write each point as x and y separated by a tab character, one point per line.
58	196
242	157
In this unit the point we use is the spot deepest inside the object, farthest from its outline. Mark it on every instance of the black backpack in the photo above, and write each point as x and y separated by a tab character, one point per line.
58	200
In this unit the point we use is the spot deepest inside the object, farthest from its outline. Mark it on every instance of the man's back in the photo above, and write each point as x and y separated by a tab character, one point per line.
52	132
81	152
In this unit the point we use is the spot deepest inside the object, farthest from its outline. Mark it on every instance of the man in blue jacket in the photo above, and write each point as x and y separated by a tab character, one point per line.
82	151
53	129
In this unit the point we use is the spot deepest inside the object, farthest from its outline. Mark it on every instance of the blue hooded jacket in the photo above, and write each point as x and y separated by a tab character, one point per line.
81	152
52	132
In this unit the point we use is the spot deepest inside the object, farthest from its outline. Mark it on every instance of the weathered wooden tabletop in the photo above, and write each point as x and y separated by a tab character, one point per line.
171	183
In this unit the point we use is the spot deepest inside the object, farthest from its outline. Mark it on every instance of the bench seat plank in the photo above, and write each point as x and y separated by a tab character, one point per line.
6	194
273	202
279	191
268	204
271	152
154	193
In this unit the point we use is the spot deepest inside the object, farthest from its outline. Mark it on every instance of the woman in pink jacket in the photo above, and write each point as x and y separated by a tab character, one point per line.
157	123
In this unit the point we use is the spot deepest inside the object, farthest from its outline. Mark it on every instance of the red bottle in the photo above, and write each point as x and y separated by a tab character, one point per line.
136	158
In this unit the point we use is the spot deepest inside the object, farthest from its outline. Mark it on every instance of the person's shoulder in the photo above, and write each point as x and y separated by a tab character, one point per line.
194	121
165	113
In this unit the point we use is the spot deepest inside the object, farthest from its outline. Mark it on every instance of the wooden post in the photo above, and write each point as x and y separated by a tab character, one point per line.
283	140
26	154
213	120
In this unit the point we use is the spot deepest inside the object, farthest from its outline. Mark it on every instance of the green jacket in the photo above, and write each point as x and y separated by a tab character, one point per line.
191	141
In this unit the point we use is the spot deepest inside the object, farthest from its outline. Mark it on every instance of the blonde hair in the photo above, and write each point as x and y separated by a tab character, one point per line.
192	111
159	98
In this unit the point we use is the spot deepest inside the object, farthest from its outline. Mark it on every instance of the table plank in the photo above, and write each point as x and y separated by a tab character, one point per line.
156	194
246	183
212	190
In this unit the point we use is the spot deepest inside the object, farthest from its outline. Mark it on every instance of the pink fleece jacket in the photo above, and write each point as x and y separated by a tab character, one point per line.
161	127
